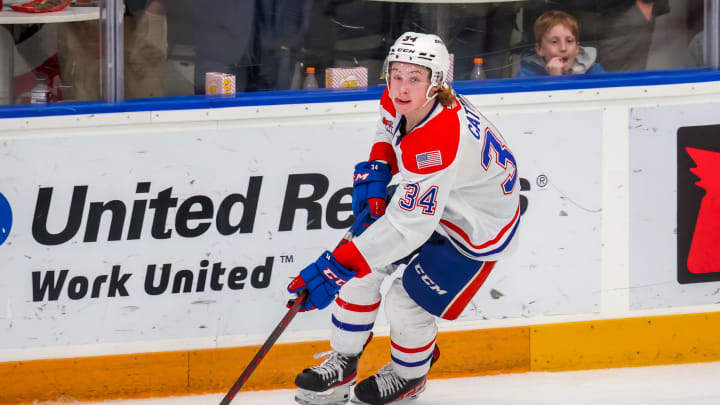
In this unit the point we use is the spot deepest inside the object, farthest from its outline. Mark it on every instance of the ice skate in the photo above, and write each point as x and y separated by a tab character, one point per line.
387	387
329	383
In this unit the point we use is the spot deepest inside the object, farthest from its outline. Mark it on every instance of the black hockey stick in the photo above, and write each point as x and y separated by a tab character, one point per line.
270	341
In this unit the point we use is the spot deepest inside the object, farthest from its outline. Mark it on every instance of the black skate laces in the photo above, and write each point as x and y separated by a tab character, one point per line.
388	381
332	366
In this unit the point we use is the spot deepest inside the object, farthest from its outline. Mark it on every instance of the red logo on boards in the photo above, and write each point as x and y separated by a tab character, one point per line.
698	204
704	256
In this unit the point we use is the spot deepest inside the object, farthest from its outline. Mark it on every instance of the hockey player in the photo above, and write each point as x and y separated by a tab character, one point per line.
455	211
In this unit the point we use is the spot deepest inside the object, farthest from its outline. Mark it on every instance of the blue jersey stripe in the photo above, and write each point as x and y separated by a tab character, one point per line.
408	364
352	327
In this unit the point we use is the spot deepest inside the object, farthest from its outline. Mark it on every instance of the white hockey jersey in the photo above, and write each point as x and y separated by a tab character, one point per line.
455	174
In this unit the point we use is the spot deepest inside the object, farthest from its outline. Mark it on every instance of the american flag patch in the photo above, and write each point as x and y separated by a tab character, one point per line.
428	159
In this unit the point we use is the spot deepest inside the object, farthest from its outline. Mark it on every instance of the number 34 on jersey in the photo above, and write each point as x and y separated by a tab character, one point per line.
493	145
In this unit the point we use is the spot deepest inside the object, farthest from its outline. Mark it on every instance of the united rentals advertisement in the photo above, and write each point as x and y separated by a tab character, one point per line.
675	216
183	232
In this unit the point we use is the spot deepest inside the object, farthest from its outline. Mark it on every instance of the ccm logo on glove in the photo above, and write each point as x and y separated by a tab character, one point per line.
322	279
333	277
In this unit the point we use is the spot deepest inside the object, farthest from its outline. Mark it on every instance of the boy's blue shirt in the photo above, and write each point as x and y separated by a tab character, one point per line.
532	64
528	69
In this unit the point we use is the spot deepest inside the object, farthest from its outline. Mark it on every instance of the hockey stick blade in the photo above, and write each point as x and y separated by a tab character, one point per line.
265	348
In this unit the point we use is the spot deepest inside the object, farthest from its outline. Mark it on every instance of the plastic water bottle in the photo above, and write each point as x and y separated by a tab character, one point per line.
310	81
478	73
40	94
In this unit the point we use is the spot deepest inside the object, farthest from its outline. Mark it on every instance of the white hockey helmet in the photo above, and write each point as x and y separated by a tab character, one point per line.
421	49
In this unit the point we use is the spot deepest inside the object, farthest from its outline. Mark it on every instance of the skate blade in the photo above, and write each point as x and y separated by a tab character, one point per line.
413	397
401	401
334	396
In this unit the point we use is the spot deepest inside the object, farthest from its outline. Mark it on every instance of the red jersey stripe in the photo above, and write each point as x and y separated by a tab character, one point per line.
386	102
350	257
495	240
356	307
461	300
412	350
384	151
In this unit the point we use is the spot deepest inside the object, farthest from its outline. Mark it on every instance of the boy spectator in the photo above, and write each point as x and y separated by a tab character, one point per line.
557	49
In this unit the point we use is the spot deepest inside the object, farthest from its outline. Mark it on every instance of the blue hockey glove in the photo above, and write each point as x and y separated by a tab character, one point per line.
362	222
369	187
323	279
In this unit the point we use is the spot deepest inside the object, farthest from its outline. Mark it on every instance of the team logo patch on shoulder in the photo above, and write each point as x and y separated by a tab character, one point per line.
428	159
388	125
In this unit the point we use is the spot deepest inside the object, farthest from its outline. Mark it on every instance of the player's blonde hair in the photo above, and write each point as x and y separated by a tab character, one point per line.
446	95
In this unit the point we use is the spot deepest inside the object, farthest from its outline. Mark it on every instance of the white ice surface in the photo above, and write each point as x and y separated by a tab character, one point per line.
687	384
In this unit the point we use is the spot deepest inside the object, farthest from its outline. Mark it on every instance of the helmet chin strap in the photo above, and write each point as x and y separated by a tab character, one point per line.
428	97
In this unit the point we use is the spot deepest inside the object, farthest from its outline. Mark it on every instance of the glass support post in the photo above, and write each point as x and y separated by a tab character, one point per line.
112	76
711	45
